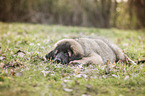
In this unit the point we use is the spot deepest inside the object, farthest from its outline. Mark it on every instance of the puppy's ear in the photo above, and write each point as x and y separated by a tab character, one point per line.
69	53
50	55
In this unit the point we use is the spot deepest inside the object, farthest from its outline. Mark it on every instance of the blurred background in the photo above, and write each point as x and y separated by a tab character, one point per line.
89	13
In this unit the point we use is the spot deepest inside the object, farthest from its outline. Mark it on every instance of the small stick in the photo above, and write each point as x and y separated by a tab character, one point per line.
128	59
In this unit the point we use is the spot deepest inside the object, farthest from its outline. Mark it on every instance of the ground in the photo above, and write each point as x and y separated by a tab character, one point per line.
23	71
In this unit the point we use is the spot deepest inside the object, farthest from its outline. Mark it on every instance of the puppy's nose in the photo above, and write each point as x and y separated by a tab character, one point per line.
57	60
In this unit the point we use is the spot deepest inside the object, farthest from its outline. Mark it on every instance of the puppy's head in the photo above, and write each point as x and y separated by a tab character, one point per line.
63	52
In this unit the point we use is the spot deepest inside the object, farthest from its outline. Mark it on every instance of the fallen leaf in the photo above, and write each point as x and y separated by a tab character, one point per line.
68	90
12	72
78	76
114	75
30	77
2	58
21	54
19	74
67	80
125	44
44	72
1	65
127	77
20	51
85	95
12	64
63	84
31	44
38	44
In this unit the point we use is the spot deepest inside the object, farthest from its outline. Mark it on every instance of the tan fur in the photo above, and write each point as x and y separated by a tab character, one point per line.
94	51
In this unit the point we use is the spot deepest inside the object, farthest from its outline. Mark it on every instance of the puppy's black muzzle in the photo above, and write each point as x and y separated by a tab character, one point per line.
62	58
57	60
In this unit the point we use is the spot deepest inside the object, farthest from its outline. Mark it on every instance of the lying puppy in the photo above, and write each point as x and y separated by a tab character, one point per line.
85	51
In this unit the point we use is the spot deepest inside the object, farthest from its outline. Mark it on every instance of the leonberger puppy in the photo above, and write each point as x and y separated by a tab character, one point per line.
85	51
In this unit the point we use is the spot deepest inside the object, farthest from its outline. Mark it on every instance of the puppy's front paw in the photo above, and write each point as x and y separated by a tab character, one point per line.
75	62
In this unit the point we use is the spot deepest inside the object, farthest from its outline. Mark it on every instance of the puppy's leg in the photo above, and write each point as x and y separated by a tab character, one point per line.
93	59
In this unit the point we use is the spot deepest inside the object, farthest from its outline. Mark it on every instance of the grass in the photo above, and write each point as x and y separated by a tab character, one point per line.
23	71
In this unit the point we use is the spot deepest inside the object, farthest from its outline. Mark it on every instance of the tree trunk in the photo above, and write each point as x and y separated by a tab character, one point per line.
140	12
